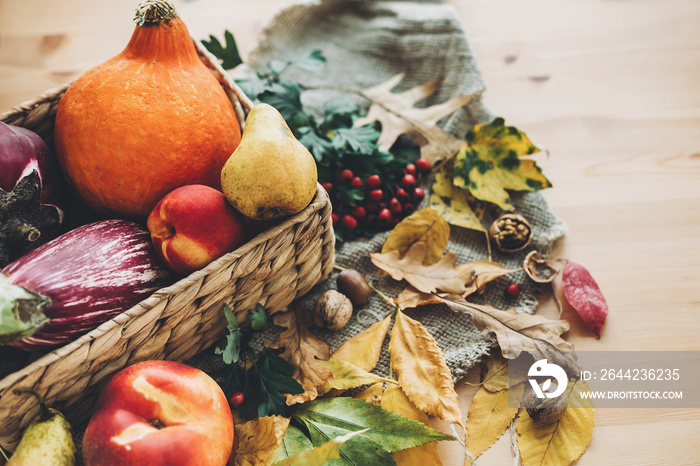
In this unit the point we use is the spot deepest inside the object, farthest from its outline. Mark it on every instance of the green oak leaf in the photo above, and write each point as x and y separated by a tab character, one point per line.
230	345
492	161
362	139
258	318
285	96
319	146
392	431
293	443
228	55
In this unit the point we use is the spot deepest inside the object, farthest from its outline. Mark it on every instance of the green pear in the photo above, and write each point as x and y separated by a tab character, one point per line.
47	441
270	174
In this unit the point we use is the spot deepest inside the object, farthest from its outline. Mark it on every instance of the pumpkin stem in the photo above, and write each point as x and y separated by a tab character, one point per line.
154	12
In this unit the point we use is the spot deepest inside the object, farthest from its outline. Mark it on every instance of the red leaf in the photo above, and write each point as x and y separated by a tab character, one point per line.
584	295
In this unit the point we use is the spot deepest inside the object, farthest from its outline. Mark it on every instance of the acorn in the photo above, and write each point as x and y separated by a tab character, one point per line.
353	285
545	410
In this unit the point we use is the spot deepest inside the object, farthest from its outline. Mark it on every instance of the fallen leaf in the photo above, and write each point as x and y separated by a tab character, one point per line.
302	349
517	332
320	455
397	115
457	205
293	442
373	394
489	416
422	370
538	268
258	439
479	273
364	349
443	275
491	161
396	401
393	432
559	443
346	375
358	451
426	225
495	375
410	298
584	295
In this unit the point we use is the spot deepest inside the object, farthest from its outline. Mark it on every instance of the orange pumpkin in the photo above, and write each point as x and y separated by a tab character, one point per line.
145	122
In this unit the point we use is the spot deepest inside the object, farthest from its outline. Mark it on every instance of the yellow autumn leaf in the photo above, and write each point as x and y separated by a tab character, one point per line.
495	375
456	204
396	401
422	370
489	416
258	439
562	442
492	161
364	349
373	394
346	375
426	225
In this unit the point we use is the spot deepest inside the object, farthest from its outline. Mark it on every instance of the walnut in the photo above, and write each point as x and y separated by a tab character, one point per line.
333	310
510	232
545	410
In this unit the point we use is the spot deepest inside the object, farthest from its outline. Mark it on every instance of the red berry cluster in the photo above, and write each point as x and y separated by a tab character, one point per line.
384	204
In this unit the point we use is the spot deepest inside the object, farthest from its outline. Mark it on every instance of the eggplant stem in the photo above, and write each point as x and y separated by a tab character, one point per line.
22	232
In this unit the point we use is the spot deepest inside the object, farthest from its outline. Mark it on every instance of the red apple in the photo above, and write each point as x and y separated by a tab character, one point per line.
194	225
159	413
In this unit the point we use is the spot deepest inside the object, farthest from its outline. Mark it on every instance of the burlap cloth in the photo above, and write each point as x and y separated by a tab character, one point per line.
366	43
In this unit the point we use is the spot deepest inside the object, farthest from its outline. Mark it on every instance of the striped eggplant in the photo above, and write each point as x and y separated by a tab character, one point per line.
31	193
77	281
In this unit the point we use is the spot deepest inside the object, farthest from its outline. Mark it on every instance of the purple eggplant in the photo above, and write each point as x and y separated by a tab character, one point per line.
77	281
31	193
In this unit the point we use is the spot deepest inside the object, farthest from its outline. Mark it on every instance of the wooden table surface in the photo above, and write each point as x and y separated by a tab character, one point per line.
611	88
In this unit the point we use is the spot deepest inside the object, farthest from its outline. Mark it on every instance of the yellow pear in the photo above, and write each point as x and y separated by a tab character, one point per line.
270	174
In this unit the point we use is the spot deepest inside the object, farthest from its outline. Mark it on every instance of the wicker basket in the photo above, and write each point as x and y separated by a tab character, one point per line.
179	321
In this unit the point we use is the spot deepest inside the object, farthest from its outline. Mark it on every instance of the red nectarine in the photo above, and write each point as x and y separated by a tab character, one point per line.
194	225
159	413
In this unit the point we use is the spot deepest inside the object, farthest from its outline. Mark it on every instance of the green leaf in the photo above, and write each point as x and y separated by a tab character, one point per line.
228	55
230	345
313	61
492	161
319	146
359	451
392	431
293	443
285	96
320	455
340	113
252	87
362	139
258	318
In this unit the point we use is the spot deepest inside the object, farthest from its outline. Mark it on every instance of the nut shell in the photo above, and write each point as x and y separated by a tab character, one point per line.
545	410
511	232
353	285
333	310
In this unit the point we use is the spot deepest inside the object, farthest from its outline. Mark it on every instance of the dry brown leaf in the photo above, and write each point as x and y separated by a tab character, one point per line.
301	350
426	225
422	370
411	297
520	332
397	114
396	401
363	350
479	273
442	275
258	439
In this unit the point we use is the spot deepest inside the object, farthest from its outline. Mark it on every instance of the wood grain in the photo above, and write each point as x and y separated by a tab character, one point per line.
611	88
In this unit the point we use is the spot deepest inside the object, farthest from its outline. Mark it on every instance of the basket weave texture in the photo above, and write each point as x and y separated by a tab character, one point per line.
179	321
